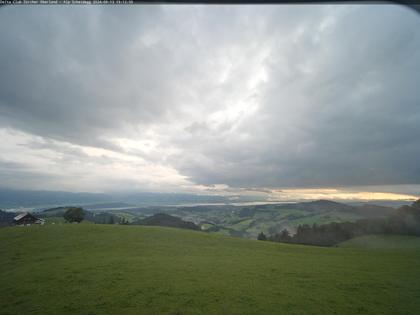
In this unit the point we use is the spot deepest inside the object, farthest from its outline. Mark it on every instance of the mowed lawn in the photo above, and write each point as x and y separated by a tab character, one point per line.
112	269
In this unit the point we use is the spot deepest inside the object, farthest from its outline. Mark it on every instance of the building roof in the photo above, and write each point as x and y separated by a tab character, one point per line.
22	215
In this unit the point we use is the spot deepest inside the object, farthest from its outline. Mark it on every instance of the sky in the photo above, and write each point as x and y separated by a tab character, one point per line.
287	101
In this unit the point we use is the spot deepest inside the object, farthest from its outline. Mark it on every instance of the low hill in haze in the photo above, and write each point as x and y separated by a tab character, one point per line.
162	219
373	211
318	206
366	210
57	211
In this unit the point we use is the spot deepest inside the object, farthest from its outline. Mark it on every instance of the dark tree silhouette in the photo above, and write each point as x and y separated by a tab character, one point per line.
262	237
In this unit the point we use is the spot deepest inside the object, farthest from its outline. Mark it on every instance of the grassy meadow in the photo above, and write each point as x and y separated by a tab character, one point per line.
109	269
384	242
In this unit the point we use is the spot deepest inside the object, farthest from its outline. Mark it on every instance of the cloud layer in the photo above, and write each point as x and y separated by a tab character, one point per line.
182	98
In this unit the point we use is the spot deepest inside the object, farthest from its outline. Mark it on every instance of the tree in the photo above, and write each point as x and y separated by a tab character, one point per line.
111	220
74	215
285	236
262	237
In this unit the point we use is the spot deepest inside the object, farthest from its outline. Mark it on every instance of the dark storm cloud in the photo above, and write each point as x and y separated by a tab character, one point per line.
244	96
351	119
65	75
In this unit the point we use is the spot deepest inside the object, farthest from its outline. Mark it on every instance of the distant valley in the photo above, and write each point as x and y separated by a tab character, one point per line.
243	217
248	221
242	221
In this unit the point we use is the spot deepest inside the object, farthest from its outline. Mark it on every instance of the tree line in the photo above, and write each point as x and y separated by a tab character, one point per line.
77	214
405	221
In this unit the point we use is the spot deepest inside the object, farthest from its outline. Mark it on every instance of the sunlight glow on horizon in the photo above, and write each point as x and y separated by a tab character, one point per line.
341	194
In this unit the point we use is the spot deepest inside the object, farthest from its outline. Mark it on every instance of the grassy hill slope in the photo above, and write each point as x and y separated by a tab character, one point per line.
383	242
108	269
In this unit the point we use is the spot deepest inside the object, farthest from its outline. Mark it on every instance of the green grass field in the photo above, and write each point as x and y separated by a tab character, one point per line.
384	242
112	269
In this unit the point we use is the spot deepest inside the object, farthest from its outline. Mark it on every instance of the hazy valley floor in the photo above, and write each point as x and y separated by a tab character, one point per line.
108	269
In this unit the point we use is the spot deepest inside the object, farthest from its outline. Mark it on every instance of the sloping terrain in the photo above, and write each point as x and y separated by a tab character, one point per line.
383	242
115	269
